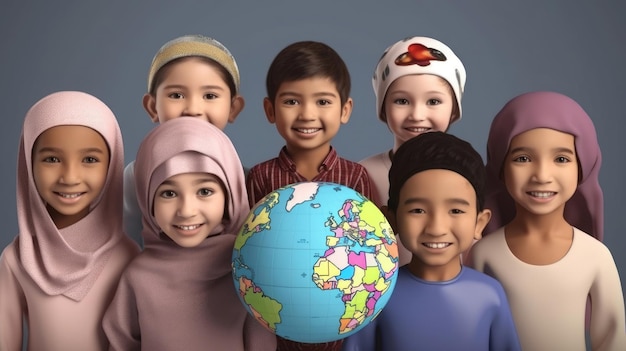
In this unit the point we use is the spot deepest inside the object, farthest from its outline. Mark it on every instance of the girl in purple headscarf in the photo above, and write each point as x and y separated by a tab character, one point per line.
543	161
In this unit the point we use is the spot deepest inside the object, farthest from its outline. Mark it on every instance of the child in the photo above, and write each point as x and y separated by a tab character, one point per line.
60	272
178	294
543	159
193	76
308	99
436	199
418	84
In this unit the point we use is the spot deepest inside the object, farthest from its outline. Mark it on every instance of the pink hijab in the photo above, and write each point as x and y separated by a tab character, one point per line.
68	261
559	112
204	148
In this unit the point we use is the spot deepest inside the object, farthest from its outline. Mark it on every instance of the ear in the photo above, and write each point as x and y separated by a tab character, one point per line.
236	106
268	107
481	222
149	104
390	215
346	111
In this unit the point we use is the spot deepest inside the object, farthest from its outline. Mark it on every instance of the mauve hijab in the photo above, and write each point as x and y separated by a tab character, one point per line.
204	148
68	261
543	109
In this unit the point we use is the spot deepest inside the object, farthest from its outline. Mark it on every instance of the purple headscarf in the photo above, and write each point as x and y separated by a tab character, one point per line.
585	210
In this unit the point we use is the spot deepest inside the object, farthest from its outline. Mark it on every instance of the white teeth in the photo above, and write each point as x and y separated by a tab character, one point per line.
188	227
436	245
69	196
308	130
418	129
542	194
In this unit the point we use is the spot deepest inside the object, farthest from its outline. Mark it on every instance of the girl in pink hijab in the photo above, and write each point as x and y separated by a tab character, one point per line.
543	161
60	272
178	294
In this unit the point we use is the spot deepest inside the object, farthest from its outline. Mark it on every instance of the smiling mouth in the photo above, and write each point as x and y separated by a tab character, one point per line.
188	227
69	196
307	130
417	129
436	245
542	194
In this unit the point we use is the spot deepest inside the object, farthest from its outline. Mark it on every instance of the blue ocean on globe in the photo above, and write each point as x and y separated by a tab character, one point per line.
315	262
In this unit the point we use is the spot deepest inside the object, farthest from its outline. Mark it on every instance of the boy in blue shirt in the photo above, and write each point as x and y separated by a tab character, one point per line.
435	206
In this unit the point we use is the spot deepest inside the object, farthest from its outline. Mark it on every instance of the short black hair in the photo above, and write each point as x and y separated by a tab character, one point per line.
436	150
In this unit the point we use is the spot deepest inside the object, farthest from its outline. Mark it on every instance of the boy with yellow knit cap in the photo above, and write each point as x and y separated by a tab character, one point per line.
190	76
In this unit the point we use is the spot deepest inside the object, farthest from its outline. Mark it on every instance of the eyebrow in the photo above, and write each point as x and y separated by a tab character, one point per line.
319	94
195	182
564	150
58	150
183	87
419	200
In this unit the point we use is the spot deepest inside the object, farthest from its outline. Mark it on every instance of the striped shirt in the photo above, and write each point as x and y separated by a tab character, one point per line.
272	174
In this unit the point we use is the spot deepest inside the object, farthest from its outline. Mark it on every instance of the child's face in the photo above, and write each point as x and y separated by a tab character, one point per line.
416	104
541	171
308	113
437	220
188	206
70	165
192	87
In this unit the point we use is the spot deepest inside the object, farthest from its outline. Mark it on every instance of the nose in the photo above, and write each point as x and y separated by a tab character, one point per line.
418	112
307	112
187	207
71	173
437	224
542	172
193	107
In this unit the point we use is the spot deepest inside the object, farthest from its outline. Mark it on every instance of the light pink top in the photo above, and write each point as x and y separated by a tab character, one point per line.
61	280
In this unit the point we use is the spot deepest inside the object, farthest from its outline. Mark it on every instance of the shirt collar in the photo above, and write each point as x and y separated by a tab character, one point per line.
286	162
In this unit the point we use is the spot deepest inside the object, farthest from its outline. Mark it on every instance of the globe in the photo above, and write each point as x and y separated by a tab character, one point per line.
315	262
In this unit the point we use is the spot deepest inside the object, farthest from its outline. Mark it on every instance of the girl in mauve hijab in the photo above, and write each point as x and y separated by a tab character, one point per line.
179	294
61	271
543	161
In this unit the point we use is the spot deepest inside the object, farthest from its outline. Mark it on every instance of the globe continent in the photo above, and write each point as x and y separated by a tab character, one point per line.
315	262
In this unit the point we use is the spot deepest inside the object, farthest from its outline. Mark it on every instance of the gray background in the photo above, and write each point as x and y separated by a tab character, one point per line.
508	47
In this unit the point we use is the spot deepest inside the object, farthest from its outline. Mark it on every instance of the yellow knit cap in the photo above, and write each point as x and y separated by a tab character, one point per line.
194	45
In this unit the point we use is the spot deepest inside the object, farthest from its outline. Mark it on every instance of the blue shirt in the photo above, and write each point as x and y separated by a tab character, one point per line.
469	312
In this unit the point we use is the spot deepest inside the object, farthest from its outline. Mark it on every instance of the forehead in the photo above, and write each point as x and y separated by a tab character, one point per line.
435	185
420	82
542	139
309	85
70	137
190	67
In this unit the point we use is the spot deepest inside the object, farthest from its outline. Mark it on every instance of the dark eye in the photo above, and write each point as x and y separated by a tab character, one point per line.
433	102
457	211
417	210
210	96
521	159
323	102
90	159
175	96
205	192
290	102
167	194
562	159
51	159
401	101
